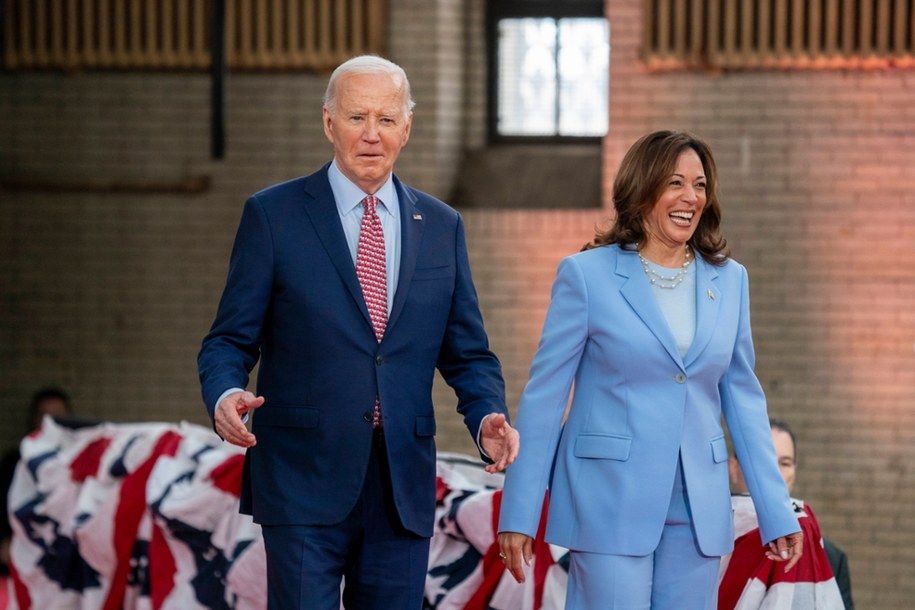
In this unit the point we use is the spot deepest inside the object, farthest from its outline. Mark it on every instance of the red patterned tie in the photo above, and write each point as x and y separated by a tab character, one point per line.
372	273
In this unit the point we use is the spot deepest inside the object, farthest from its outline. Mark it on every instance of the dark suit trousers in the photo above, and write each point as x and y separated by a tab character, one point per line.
383	566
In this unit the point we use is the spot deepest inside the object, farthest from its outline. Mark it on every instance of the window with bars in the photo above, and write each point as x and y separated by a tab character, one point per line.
549	69
177	34
736	34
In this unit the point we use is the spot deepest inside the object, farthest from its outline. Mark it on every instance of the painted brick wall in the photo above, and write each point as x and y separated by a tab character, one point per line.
110	294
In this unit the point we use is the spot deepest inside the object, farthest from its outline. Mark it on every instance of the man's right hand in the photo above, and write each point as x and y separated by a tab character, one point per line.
227	418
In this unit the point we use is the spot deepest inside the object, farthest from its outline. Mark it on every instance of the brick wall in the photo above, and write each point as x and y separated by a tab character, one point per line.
816	205
110	294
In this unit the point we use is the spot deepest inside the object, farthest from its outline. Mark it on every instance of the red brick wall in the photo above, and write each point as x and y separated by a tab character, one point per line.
817	206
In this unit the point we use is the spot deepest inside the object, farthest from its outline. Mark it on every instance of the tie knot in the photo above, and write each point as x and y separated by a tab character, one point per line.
370	203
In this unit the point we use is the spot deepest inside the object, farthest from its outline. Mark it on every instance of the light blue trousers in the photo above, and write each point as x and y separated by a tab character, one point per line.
677	576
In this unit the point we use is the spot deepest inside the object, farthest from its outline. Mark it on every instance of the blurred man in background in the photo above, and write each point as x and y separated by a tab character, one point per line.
786	452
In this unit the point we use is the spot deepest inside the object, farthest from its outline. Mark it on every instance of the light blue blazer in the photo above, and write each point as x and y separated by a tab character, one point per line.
636	406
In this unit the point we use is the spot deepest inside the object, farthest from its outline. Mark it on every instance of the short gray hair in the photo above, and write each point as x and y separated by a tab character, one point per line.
369	64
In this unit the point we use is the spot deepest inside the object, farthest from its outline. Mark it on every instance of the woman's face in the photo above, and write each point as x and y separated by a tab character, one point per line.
675	215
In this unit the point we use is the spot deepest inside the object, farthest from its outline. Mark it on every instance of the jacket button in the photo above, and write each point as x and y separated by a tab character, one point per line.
379	359
367	416
680	378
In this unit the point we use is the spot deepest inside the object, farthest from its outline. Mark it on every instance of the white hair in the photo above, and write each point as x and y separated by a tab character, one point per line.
369	64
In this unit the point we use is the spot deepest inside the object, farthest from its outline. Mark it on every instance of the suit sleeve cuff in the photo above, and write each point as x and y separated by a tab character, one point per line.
479	438
244	418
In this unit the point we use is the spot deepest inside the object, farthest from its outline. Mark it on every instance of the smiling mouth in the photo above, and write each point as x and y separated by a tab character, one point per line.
682	219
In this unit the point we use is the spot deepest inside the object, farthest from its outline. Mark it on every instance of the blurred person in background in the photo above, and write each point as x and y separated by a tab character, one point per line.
785	442
51	401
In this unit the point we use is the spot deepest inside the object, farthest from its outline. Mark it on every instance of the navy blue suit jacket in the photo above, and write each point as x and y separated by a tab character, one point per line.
292	301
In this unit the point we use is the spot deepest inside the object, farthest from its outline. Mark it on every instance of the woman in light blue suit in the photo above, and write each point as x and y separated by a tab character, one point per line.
651	326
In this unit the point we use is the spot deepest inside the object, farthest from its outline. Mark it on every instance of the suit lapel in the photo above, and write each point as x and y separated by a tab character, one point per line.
412	226
322	211
637	292
708	298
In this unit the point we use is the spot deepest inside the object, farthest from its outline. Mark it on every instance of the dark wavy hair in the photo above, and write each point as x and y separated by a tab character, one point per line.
642	177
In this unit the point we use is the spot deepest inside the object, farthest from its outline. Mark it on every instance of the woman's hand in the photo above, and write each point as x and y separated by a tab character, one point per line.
513	548
787	548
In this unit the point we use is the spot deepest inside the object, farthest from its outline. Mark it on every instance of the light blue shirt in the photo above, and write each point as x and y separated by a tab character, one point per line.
349	205
678	305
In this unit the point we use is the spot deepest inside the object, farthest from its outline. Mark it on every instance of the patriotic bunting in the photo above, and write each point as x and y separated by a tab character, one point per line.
145	517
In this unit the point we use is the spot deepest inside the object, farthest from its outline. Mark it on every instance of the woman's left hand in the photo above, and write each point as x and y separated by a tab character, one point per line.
787	548
513	549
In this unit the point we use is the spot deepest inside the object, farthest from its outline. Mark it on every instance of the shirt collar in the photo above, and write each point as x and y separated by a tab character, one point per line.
348	196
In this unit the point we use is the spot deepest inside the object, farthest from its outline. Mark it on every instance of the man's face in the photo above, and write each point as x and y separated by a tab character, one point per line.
55	407
367	127
784	451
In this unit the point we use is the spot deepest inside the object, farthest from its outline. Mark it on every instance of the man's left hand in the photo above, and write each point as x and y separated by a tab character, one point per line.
500	441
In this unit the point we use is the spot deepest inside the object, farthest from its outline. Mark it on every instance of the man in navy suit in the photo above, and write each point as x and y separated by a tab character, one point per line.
350	288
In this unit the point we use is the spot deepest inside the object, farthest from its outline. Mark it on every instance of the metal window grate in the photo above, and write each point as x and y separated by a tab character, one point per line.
176	34
735	34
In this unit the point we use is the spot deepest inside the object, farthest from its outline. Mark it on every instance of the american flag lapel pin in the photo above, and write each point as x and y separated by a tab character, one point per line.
417	216
711	294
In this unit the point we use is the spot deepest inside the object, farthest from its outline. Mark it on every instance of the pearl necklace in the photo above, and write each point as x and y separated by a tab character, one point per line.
665	281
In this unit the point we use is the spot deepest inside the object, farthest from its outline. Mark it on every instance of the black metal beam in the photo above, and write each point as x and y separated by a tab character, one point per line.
218	72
